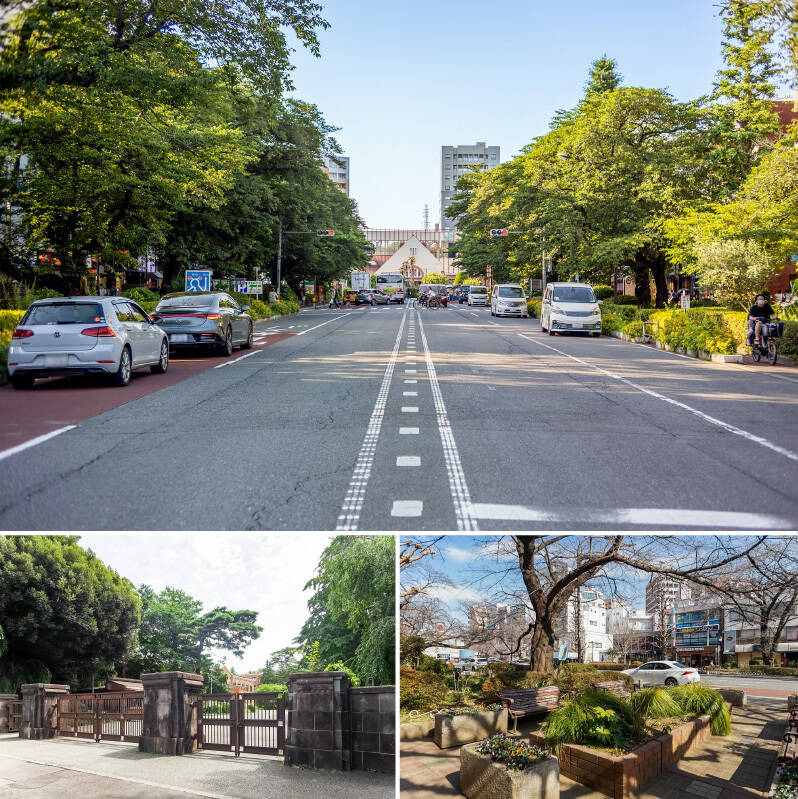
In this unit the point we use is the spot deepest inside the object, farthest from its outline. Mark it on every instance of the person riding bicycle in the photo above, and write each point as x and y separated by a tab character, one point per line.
761	311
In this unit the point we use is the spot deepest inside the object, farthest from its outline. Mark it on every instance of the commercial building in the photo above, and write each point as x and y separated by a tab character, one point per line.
632	631
663	591
458	161
742	638
696	631
337	167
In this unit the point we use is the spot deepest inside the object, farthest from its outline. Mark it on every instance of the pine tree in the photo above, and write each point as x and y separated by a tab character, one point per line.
603	78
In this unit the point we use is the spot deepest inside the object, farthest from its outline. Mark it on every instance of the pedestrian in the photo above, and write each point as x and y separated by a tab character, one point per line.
302	296
334	299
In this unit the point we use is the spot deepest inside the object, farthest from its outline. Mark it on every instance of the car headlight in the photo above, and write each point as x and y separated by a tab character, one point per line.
557	309
597	309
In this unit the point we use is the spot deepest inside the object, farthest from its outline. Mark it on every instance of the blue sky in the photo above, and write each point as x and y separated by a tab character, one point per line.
402	79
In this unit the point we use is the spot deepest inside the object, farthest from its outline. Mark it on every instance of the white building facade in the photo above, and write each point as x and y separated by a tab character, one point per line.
458	161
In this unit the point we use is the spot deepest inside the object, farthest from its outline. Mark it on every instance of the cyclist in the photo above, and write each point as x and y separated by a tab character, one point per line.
761	311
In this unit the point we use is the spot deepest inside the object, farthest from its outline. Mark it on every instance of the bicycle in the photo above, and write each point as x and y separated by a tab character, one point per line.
767	342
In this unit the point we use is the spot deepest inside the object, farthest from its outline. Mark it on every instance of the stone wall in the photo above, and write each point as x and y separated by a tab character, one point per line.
372	715
5	700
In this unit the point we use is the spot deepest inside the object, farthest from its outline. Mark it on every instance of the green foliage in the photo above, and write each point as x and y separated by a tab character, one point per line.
353	678
62	611
141	294
19	296
533	308
421	690
602	292
281	664
655	703
701	330
514	754
460	277
633	329
272	688
575	678
696	699
9	320
411	650
175	633
435	277
472	281
352	613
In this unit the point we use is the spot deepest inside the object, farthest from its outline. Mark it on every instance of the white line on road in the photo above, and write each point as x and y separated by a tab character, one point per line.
356	492
729	428
665	518
408	460
410	371
410	393
408	431
236	360
411	381
7	453
407	507
316	327
409	408
457	481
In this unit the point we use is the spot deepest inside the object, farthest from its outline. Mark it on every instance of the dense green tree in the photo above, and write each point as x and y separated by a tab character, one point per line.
281	664
175	634
603	77
63	612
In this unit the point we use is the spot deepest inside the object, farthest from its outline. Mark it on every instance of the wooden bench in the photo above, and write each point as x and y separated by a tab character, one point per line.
529	702
617	687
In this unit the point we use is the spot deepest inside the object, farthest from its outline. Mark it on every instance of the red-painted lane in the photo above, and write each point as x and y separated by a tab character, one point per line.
60	401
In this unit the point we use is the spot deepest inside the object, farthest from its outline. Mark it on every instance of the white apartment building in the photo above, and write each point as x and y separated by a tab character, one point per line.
664	589
458	161
583	625
337	167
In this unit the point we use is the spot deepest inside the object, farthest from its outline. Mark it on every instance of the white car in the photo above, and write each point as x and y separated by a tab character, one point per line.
85	335
478	295
663	672
508	299
570	308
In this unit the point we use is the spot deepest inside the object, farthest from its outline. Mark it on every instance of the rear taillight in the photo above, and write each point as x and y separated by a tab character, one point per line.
98	332
212	316
685	673
21	333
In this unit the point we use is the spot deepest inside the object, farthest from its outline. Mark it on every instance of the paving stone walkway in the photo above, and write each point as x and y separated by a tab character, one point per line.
739	766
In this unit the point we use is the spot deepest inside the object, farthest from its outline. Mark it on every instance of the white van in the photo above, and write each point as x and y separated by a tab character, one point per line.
478	295
508	299
570	308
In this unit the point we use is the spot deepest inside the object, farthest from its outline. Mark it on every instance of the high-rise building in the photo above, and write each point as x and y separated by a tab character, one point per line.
663	591
582	626
337	167
457	161
495	629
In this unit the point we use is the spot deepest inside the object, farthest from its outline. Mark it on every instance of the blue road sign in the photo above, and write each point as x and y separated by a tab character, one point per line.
241	286
794	256
198	279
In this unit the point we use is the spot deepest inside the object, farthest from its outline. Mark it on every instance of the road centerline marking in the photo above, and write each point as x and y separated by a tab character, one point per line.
352	505
407	508
728	427
408	460
7	453
408	431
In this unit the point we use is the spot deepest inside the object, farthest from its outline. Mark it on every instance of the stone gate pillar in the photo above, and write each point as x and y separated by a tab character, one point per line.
5	699
169	725
40	710
317	728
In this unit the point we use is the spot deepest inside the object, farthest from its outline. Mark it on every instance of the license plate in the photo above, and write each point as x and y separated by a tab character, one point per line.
55	361
179	338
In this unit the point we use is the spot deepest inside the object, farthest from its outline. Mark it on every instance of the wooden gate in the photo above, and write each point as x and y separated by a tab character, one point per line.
101	717
250	723
14	710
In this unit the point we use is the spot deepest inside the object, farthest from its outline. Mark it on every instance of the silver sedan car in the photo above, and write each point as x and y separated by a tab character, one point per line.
85	335
204	319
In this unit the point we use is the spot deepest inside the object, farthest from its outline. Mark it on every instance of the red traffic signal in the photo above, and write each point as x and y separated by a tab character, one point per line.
499	231
327	234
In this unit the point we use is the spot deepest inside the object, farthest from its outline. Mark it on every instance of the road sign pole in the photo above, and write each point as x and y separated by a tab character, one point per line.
279	253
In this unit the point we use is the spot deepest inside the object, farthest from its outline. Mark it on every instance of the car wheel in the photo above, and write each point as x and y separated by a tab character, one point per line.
595	334
373	303
248	343
122	375
226	349
163	362
550	330
670	682
22	382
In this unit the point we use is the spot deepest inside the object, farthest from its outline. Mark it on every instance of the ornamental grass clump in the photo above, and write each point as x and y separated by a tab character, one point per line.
511	752
697	700
656	703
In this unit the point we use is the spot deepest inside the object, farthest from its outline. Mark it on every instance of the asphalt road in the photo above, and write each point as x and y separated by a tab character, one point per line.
403	419
765	687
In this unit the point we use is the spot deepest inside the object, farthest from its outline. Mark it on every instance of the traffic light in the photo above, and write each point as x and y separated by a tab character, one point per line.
499	231
325	234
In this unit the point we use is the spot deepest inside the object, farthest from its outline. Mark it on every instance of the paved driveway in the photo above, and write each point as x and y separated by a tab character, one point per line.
69	769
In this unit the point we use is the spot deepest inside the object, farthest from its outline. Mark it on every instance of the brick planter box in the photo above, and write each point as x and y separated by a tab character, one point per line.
468	727
623	777
481	778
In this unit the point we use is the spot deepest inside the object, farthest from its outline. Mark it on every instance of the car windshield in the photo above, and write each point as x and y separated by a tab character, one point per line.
573	294
64	313
479	290
511	291
186	301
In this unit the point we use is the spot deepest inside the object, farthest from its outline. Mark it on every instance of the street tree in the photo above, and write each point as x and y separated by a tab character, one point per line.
62	612
434	277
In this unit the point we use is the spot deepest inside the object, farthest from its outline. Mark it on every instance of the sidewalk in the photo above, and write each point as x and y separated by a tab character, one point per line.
738	766
75	769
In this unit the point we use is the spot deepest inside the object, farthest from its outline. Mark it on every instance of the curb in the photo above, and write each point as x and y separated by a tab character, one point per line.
716	357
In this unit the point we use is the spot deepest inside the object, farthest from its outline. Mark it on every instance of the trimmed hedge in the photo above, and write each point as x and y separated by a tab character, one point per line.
8	321
421	690
533	308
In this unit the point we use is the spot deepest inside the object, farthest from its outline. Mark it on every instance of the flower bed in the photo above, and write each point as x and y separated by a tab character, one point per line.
468	726
506	768
624	776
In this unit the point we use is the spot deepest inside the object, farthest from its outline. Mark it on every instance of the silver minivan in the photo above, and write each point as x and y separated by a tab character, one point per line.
508	299
478	295
570	308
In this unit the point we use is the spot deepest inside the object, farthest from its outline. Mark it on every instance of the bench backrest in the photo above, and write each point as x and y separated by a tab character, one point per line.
549	696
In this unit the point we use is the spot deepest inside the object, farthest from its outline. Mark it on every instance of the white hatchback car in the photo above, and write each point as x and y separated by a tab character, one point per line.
663	672
508	299
570	308
478	295
85	335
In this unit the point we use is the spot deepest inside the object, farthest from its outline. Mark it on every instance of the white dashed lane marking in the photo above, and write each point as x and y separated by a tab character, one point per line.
408	431
410	393
408	460
407	508
409	408
410	382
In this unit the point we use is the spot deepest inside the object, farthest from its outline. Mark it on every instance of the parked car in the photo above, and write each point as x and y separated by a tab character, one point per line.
570	307
209	319
663	672
85	335
508	299
478	295
372	297
349	295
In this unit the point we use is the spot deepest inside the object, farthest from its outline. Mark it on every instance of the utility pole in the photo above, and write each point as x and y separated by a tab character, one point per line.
279	253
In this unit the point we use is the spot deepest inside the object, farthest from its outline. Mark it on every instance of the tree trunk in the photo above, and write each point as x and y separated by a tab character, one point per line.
642	281
658	268
541	656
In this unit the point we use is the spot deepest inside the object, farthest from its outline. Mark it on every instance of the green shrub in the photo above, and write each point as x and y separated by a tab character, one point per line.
602	291
633	329
788	343
514	754
698	700
272	688
772	671
607	666
574	679
655	703
148	305
421	690
611	322
627	299
533	308
141	294
608	674
339	666
10	319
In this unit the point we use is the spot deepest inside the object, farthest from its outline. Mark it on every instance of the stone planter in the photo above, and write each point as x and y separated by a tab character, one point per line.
625	776
734	696
416	730
481	778
468	727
